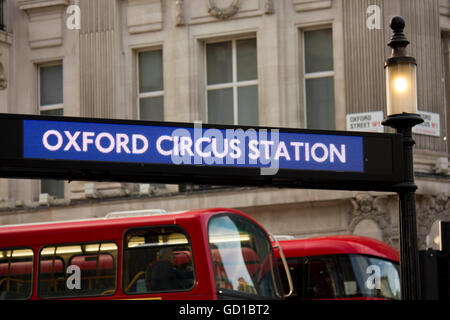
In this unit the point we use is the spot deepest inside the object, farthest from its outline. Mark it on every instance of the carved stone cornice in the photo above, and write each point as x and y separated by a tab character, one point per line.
45	26
223	13
368	207
269	7
179	13
138	18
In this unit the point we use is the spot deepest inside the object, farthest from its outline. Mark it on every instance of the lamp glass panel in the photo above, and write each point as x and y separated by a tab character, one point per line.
401	88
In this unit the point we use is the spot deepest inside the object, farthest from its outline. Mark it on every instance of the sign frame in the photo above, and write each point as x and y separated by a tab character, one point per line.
382	156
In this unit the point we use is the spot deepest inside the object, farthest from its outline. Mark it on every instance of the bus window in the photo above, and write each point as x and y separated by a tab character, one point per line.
16	270
243	262
157	260
296	268
77	270
367	276
321	278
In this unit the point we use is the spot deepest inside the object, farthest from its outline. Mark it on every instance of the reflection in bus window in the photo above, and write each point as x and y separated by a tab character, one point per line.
157	260
242	257
77	270
360	280
16	269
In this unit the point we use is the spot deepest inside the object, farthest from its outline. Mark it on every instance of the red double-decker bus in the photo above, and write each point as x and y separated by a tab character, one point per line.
203	254
342	267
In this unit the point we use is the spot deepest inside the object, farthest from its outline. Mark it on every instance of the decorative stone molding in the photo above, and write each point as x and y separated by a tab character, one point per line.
3	81
444	7
144	16
46	22
367	207
309	5
430	209
211	11
223	13
269	7
179	13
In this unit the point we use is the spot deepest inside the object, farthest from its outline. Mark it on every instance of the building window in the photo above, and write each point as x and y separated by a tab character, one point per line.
232	82
319	79
51	104
2	15
150	86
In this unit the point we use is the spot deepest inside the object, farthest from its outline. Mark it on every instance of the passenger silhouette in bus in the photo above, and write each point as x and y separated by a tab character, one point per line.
164	275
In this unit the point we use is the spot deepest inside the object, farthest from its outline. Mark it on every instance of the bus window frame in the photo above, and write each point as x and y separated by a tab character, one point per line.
100	242
33	260
142	228
336	274
300	261
235	294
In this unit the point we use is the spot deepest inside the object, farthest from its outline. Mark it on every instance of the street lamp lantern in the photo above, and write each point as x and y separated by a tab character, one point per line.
401	78
401	94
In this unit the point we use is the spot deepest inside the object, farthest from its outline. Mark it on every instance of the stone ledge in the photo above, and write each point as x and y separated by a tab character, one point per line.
39	4
444	7
309	5
6	38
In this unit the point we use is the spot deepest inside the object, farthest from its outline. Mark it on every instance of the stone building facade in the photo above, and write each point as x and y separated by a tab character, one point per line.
287	63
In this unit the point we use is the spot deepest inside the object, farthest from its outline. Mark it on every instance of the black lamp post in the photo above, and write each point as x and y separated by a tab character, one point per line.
401	91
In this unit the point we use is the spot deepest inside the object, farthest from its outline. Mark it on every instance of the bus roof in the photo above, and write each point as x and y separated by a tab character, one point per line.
345	244
88	228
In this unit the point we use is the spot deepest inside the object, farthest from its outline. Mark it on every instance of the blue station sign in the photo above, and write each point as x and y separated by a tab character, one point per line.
165	152
261	148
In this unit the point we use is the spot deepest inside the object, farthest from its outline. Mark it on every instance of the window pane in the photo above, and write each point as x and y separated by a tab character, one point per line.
16	270
78	270
51	90
150	71
54	188
355	277
248	105
54	112
151	109
219	62
246	60
321	278
157	259
220	106
320	103
318	50
296	268
242	257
